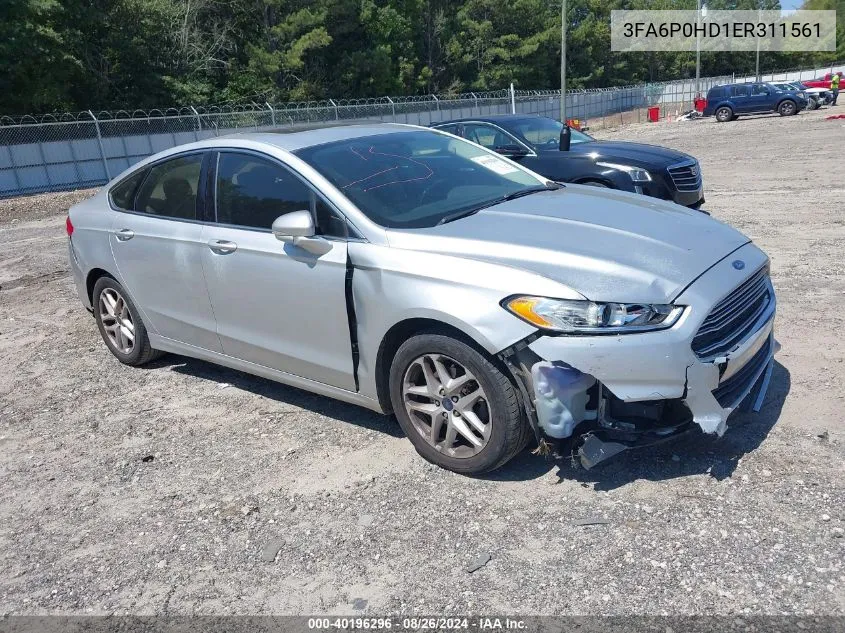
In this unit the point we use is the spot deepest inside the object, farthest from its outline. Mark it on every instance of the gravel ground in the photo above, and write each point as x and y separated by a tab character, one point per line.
185	488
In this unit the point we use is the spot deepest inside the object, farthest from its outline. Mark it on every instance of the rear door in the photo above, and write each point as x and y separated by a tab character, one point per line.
157	246
276	304
740	98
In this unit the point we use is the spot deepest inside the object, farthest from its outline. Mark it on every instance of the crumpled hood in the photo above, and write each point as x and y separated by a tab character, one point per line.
606	245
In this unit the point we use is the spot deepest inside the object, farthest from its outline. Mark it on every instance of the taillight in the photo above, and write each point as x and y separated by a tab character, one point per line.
69	226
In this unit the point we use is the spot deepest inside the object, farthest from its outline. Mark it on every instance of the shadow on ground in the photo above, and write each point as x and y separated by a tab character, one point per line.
697	453
272	390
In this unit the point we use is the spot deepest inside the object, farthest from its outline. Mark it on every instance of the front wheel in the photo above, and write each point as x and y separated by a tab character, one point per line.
457	408
787	108
724	114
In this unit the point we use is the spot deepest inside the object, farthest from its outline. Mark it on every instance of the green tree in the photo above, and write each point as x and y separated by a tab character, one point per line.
35	64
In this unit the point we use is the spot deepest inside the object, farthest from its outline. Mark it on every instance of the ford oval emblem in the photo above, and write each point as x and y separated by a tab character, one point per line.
738	264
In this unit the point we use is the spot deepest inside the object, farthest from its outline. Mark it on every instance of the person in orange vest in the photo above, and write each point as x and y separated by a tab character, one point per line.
834	87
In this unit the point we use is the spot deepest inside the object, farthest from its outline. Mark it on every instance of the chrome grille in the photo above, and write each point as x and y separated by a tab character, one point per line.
734	317
730	392
686	177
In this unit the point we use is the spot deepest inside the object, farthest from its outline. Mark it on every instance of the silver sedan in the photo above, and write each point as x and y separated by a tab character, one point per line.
410	271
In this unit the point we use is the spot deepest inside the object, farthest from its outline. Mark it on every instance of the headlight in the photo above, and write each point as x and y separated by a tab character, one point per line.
637	174
589	317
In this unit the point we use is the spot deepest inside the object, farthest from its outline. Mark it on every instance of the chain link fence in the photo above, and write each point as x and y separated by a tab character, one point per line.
65	151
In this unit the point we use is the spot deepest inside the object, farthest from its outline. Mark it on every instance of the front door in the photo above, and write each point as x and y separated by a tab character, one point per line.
760	99
158	249
276	304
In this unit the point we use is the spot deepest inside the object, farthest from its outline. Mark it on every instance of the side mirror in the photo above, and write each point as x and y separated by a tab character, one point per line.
511	150
297	228
294	226
565	138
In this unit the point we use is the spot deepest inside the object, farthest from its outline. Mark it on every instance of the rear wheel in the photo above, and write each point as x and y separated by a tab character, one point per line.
120	324
724	114
787	108
457	408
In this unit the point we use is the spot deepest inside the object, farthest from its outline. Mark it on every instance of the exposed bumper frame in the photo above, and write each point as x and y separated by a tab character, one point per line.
662	366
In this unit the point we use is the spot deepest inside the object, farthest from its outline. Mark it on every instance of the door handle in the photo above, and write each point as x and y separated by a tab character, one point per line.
222	247
124	235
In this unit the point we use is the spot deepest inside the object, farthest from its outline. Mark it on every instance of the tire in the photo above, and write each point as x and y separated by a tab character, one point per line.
119	321
506	431
787	108
724	114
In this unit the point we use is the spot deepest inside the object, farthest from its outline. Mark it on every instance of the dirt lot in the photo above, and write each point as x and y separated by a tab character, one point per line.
186	488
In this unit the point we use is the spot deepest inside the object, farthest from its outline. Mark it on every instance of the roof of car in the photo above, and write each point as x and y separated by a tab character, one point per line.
307	135
743	83
491	118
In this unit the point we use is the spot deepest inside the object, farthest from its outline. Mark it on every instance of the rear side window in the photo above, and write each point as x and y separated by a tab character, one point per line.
252	192
739	91
123	195
760	89
170	189
716	93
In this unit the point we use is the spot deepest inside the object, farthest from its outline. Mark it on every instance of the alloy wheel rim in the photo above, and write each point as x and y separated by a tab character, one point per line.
447	405
117	321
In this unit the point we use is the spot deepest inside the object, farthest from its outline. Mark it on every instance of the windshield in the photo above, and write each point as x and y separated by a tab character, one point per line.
544	133
416	179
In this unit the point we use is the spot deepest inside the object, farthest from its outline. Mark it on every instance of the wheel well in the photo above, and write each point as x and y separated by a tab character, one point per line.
93	276
400	333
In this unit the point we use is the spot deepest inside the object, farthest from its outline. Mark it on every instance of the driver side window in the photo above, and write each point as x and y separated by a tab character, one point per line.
252	192
488	136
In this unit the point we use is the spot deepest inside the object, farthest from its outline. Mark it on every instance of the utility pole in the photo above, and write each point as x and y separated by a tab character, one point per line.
698	52
563	61
757	65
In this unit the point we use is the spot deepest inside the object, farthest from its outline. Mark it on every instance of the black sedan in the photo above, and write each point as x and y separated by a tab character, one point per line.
567	155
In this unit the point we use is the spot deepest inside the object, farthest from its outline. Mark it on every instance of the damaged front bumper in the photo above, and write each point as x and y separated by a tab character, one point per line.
617	392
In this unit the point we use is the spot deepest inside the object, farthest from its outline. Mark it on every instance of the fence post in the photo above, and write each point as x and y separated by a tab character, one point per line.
199	121
336	115
513	100
272	113
437	101
100	143
392	108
